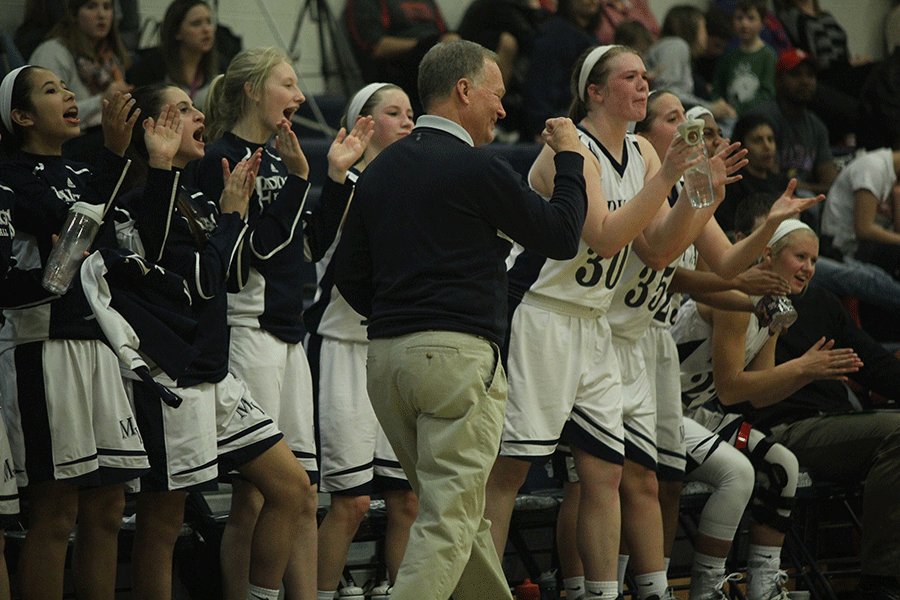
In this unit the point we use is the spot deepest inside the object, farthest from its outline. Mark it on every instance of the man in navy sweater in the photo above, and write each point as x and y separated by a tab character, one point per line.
422	257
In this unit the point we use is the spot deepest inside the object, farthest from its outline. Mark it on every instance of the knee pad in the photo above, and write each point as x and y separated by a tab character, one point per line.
769	503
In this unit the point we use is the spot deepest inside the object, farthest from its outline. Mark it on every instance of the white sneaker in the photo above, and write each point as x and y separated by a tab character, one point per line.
704	587
381	592
777	591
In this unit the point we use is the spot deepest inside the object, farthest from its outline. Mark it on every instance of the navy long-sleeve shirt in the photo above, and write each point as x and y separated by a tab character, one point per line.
427	234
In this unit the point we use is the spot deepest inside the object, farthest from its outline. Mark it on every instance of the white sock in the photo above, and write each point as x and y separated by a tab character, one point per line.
763	563
651	584
706	573
623	566
601	589
574	587
703	562
326	595
260	593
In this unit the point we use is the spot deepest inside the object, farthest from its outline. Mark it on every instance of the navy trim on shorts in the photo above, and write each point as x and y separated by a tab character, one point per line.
575	435
363	489
239	457
384	483
667	473
635	454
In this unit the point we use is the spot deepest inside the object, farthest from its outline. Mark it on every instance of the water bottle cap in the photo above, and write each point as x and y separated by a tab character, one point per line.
92	211
692	131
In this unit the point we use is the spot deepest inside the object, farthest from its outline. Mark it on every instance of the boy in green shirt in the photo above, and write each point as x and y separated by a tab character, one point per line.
745	75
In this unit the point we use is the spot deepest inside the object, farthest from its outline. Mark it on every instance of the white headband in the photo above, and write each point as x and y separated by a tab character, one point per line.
588	66
698	112
6	90
789	226
359	99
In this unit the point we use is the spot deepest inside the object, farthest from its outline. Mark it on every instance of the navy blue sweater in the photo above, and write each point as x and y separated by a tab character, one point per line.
427	234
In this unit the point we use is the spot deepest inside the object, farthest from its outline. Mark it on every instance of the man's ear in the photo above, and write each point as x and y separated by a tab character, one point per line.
462	90
23	118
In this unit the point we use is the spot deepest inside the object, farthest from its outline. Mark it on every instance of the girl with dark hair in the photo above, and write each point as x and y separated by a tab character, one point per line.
86	52
186	55
62	388
203	241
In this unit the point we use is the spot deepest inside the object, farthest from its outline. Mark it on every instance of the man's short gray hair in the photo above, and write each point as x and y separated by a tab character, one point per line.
448	62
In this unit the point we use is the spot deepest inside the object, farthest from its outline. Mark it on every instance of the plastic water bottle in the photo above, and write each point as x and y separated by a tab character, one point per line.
697	179
75	239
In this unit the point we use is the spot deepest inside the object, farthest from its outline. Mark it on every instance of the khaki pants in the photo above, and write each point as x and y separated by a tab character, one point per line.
858	447
440	397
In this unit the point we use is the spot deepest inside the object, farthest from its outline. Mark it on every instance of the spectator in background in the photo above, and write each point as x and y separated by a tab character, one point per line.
800	136
745	75
615	12
670	59
862	210
562	40
390	37
85	51
773	32
634	35
756	135
718	35
39	18
186	55
509	28
819	34
42	15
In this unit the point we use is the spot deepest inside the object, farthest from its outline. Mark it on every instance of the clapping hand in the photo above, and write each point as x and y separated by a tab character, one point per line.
239	184
288	149
116	122
346	148
163	137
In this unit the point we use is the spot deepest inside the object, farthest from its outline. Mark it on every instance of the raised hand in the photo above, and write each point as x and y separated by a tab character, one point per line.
116	122
824	361
560	134
758	281
787	207
346	148
288	149
724	165
680	156
239	184
163	137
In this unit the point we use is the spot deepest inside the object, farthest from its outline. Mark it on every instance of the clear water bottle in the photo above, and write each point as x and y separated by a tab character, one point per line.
75	239
697	179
